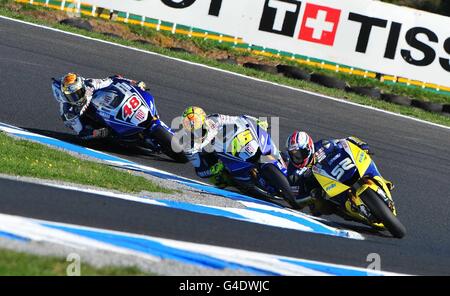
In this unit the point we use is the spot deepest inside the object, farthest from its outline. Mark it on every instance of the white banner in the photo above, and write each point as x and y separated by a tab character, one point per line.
365	34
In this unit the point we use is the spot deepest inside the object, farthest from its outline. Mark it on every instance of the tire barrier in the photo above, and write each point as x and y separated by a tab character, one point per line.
77	23
371	92
328	81
446	108
262	67
293	72
399	100
332	82
428	106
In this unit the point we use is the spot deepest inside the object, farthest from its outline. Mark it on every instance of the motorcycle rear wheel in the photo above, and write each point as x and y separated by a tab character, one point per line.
164	138
382	212
279	181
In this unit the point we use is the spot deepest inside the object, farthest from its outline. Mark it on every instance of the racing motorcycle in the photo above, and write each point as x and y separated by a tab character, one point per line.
255	164
130	113
349	172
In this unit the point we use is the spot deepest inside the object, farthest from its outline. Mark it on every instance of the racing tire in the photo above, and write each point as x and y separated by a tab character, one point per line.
395	99
381	211
279	181
427	106
164	138
446	108
293	72
328	81
261	67
371	92
77	23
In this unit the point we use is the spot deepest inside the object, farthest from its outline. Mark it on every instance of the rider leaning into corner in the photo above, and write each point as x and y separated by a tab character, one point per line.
74	93
302	154
205	133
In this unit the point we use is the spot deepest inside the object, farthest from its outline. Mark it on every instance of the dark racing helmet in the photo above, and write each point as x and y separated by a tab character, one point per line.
73	89
300	147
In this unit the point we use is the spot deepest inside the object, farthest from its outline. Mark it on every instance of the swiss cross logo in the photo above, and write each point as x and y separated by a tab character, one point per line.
319	24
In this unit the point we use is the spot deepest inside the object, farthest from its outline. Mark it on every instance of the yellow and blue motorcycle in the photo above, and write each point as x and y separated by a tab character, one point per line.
349	174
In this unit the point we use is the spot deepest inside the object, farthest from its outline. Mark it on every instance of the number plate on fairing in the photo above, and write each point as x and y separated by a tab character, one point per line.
133	110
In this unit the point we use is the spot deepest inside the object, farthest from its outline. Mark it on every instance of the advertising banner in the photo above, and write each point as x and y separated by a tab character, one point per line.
365	34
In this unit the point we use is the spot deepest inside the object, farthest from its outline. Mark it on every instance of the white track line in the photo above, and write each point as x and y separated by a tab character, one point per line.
229	72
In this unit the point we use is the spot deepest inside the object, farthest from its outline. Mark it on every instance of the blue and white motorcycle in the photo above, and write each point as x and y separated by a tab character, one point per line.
130	113
254	163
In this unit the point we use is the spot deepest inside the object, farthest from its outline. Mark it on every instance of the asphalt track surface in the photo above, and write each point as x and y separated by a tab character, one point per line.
416	156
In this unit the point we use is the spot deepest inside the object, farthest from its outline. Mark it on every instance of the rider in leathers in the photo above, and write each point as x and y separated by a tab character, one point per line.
208	133
302	154
74	93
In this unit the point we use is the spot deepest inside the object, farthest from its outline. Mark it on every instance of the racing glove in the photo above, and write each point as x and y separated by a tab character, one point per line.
217	168
141	85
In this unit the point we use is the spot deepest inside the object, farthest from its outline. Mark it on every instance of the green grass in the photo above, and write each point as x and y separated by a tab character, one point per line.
29	159
22	264
208	44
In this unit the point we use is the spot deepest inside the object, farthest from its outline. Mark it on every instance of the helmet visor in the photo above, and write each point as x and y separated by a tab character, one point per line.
298	156
76	98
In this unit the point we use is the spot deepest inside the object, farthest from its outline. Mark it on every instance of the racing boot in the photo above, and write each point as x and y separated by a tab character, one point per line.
318	205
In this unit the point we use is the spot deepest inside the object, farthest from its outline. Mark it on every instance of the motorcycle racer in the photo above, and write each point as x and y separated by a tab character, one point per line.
74	94
302	154
208	134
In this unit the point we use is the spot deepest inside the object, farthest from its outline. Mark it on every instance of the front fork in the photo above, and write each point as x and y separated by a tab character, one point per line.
357	209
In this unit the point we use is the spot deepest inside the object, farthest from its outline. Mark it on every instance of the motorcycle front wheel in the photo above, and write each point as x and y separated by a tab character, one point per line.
382	212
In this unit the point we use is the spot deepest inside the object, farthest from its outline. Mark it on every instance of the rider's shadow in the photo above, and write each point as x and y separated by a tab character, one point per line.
100	145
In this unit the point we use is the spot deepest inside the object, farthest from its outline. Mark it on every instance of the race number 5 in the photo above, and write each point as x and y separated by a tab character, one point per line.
340	169
130	107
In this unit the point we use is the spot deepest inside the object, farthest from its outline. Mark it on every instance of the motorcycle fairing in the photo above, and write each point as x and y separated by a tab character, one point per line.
364	166
118	99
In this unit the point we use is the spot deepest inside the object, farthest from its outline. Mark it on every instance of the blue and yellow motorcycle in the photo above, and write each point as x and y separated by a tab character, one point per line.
348	173
253	162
